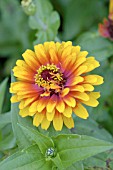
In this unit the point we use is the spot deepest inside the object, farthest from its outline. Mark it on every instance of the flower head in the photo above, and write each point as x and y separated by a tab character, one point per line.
106	29
52	83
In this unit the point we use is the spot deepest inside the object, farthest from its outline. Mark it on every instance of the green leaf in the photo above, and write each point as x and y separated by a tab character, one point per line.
8	142
73	148
97	46
5	118
22	140
3	86
96	162
42	141
76	166
45	21
91	128
27	159
57	161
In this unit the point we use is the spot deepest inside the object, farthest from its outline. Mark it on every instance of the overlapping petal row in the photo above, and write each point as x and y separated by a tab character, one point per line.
52	83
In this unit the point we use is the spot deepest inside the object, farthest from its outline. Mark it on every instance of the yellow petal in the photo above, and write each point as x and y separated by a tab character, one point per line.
111	7
42	104
76	49
66	44
51	103
38	118
82	96
64	92
99	80
60	105
21	105
50	115
35	121
95	95
66	51
77	88
90	79
69	123
14	99
30	59
45	124
81	111
53	55
82	54
75	80
58	122
91	64
40	54
24	112
70	101
88	87
68	111
29	101
33	107
81	70
79	61
92	99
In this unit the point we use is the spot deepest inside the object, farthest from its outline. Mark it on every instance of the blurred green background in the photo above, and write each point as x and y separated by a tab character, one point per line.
79	21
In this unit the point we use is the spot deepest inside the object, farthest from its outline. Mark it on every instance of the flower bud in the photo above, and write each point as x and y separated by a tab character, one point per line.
28	7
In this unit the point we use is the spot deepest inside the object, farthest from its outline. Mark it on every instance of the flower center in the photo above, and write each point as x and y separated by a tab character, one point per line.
50	78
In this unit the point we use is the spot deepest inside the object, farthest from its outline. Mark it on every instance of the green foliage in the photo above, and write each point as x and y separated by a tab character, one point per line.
97	46
80	15
2	93
45	21
89	145
5	119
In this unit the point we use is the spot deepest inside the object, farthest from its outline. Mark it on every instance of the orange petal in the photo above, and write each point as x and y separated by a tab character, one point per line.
53	55
40	54
64	92
80	70
75	80
79	88
31	60
29	101
42	103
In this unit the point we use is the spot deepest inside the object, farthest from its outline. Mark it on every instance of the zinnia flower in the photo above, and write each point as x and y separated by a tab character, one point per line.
106	29
52	83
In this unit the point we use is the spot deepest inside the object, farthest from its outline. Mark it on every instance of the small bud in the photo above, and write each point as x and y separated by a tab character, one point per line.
28	7
50	152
